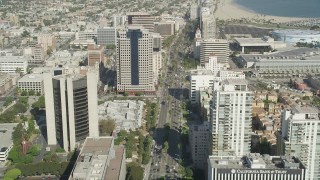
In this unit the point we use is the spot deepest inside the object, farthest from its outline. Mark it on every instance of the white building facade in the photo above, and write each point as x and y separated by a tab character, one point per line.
301	135
230	117
13	64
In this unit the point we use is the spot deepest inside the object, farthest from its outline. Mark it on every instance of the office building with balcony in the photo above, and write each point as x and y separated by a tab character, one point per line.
71	109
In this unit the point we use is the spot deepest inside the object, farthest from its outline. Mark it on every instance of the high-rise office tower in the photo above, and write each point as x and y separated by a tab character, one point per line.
134	61
218	47
71	109
230	117
107	36
142	19
300	131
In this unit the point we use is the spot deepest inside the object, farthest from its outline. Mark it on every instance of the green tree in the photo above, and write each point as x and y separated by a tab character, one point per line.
40	104
106	127
189	172
8	101
125	94
25	34
134	172
165	146
31	93
24	93
13	173
111	46
49	51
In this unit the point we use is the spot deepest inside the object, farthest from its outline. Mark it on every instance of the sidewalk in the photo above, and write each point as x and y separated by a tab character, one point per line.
6	108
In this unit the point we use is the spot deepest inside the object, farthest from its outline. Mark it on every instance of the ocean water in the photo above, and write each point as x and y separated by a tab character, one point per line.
288	8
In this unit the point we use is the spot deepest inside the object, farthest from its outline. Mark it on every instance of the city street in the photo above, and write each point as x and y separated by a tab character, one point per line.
169	123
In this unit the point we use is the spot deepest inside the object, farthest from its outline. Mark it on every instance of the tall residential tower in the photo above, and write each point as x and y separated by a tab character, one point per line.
231	118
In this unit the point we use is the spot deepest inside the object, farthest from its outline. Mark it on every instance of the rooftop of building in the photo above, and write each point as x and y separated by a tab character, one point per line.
254	41
236	81
13	58
94	157
6	130
306	110
215	40
137	13
255	161
289	54
31	78
127	114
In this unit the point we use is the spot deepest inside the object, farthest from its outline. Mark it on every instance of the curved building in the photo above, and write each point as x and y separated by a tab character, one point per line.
296	35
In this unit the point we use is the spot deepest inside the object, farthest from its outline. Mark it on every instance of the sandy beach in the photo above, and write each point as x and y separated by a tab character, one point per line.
228	9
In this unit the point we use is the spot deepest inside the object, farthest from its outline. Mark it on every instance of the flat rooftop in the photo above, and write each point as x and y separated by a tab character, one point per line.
99	159
236	81
31	78
292	54
252	42
254	161
6	130
306	109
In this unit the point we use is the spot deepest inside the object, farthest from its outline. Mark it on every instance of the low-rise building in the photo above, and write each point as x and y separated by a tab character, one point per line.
127	114
6	143
13	64
100	159
31	82
255	167
5	83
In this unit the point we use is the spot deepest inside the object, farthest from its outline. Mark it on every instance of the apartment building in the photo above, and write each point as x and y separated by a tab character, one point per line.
300	131
6	82
231	113
38	55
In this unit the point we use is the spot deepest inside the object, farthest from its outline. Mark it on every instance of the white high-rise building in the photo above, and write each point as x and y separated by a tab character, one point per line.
203	77
135	61
71	109
230	117
300	130
218	47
